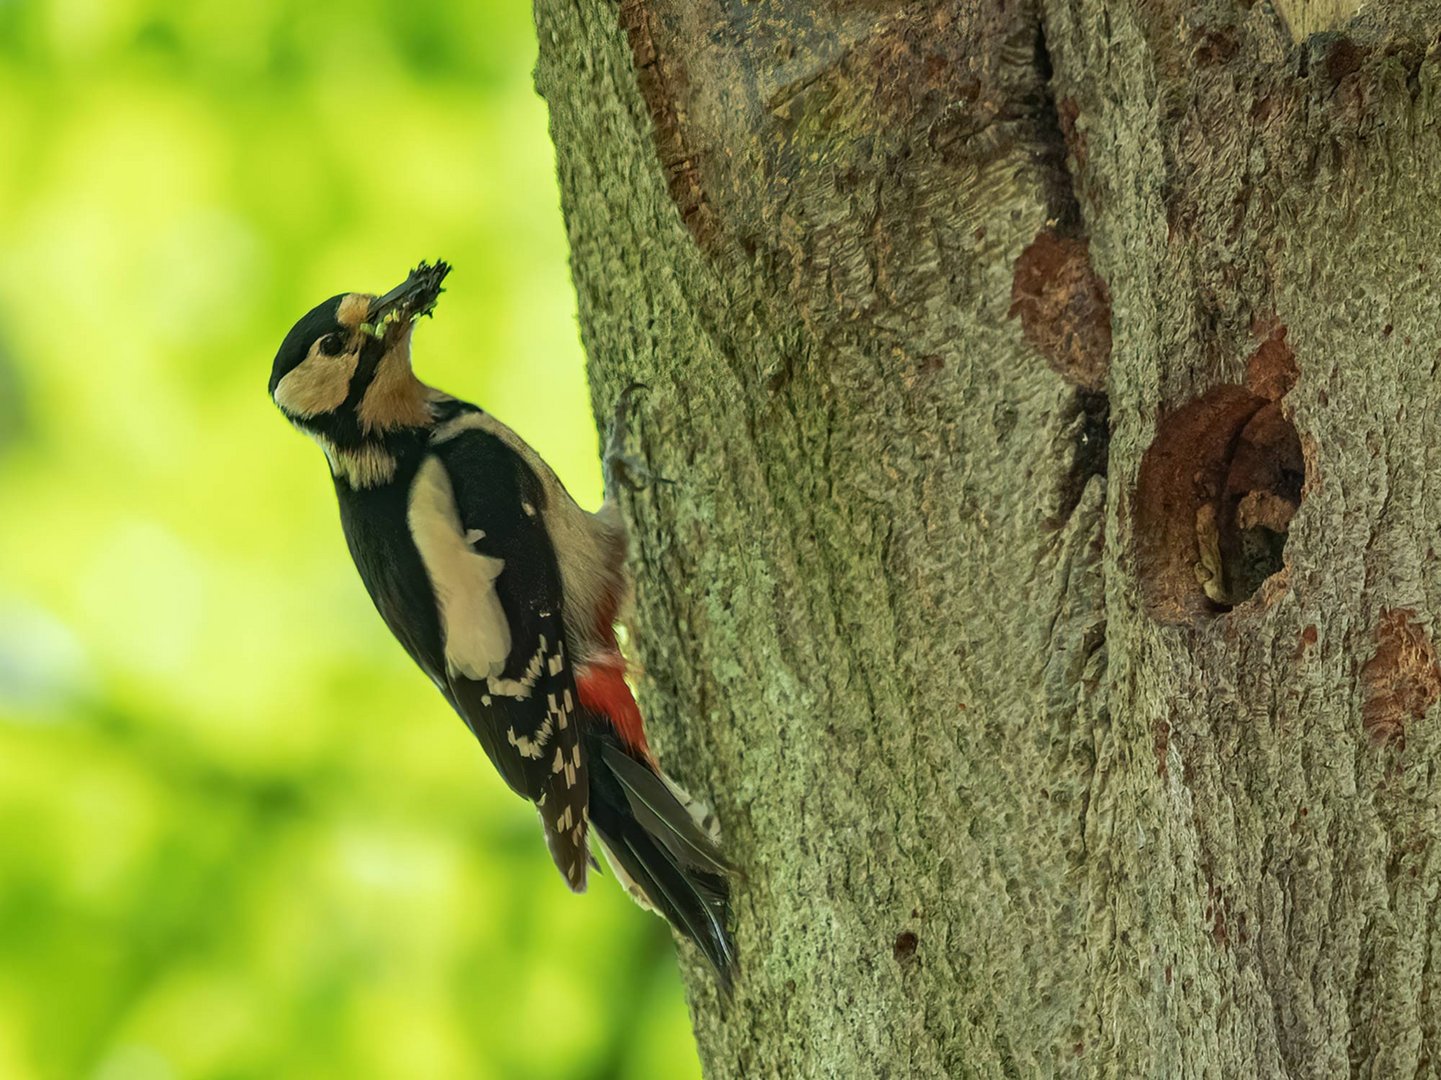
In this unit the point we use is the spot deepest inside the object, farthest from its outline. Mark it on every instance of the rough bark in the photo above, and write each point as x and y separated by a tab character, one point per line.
1045	601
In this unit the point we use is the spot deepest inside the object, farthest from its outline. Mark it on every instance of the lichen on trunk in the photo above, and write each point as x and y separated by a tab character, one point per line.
1044	597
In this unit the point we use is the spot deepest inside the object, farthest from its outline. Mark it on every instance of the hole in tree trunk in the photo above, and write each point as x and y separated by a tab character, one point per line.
905	946
1217	490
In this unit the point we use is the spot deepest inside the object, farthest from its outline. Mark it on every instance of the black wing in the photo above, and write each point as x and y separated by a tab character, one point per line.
526	716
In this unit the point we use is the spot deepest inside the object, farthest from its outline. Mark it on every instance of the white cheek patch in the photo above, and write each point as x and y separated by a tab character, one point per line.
477	635
318	384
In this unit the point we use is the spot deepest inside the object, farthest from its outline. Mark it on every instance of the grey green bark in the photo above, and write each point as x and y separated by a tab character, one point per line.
997	349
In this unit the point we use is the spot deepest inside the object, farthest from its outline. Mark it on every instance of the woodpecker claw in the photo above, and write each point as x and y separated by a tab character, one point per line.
622	469
632	473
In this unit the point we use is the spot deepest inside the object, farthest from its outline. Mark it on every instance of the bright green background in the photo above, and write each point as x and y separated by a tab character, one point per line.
240	836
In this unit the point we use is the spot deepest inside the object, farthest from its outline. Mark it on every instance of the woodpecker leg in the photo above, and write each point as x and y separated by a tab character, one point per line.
619	468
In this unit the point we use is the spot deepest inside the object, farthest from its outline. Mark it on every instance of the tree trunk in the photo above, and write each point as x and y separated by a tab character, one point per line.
1044	598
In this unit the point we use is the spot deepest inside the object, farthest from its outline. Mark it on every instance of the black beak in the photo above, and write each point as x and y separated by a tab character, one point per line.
412	298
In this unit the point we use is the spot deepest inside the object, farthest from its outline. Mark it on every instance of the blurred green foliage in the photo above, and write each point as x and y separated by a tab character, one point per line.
240	836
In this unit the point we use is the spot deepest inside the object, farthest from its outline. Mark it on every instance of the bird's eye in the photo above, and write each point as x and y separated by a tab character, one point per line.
332	345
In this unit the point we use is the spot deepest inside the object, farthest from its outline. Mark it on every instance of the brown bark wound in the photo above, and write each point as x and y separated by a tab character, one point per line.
1402	680
662	80
1064	308
1271	371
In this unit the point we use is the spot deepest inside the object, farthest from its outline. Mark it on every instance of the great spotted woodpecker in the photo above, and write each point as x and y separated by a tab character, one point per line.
506	593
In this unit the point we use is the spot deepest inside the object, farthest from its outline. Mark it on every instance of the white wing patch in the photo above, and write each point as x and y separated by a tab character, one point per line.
591	552
477	634
521	687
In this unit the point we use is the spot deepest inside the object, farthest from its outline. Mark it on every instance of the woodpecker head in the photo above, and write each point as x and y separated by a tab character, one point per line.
343	372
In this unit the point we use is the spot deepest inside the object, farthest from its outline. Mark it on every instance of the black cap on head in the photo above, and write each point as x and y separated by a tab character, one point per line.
315	323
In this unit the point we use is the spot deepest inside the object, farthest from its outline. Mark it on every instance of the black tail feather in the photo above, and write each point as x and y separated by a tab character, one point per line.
655	806
651	837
